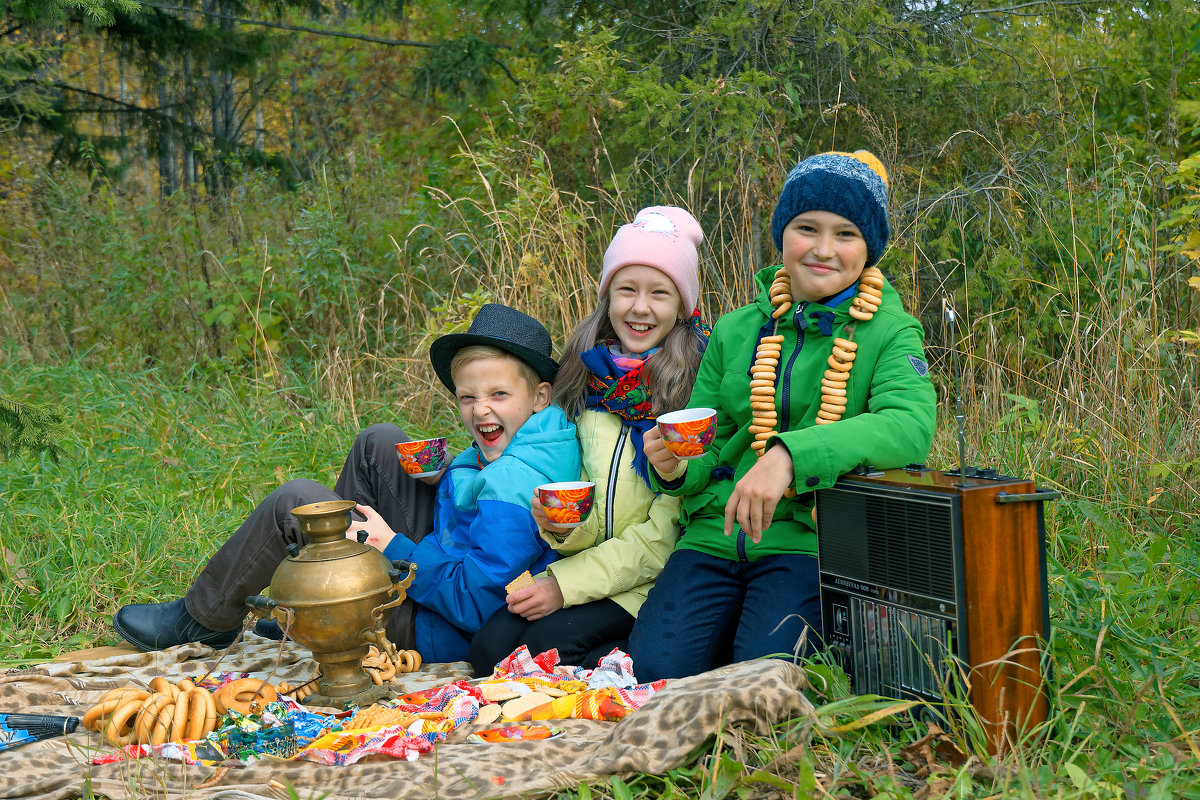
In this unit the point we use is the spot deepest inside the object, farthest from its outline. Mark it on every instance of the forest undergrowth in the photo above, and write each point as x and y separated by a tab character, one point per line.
205	352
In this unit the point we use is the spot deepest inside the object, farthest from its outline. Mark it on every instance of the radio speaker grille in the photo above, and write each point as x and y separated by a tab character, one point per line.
904	541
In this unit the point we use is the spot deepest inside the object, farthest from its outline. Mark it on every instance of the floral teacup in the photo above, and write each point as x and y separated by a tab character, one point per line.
688	433
422	456
568	503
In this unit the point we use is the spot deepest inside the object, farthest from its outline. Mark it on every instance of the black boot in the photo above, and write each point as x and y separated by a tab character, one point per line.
157	626
268	629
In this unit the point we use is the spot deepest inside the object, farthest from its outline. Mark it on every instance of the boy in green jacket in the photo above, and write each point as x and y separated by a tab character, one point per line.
822	372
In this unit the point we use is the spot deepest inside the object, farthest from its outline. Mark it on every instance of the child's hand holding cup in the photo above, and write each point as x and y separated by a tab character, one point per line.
568	503
688	434
423	458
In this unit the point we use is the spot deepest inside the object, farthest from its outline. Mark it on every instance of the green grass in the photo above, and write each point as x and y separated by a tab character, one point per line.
158	473
155	477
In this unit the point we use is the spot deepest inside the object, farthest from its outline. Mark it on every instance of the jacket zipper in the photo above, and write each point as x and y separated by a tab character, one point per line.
612	480
785	377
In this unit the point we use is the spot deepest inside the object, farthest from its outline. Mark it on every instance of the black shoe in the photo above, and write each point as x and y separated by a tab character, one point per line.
157	626
269	629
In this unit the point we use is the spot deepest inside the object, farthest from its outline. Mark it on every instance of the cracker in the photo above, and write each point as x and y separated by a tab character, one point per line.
496	692
519	582
488	714
514	708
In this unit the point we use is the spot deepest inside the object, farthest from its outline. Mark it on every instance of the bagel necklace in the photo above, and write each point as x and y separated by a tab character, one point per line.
763	374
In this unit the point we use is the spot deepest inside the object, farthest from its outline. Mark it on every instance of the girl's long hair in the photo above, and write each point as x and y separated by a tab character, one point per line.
668	374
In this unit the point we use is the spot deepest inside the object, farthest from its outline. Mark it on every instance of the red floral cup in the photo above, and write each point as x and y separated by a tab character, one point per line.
688	433
567	504
422	456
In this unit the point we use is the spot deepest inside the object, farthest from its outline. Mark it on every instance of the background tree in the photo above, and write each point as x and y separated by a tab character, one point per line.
31	429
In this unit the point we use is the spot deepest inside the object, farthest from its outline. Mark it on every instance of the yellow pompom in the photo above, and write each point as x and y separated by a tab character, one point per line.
868	158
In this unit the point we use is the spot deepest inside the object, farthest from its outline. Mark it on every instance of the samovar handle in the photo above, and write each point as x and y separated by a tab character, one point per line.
377	635
397	569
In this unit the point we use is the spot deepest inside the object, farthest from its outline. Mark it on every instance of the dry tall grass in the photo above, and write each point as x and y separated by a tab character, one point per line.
1107	417
1077	385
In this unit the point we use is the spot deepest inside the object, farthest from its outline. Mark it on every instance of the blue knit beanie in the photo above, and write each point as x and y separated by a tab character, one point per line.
852	185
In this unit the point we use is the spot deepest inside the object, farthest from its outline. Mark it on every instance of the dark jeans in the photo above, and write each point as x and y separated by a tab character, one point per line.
705	612
243	566
583	635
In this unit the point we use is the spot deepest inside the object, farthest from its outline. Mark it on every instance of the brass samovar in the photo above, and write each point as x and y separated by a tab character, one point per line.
337	594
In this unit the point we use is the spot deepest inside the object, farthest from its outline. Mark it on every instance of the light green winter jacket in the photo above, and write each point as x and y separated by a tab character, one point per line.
623	544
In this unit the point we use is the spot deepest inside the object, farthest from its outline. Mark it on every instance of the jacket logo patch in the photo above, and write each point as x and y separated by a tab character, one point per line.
920	366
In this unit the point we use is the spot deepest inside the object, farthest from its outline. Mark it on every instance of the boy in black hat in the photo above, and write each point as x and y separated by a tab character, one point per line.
500	372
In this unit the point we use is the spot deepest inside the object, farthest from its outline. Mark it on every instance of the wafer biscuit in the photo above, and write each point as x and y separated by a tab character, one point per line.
489	713
519	582
513	708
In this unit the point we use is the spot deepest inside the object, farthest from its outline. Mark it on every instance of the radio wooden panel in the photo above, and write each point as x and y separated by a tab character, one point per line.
918	564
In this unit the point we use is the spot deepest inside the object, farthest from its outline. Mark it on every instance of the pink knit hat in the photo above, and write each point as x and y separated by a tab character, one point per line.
663	237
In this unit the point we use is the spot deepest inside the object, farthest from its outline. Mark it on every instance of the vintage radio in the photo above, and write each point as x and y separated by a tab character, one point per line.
917	565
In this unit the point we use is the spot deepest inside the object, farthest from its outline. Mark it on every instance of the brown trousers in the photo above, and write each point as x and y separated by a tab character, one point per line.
244	564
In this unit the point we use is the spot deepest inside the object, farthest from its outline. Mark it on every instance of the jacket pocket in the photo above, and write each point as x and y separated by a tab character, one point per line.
693	505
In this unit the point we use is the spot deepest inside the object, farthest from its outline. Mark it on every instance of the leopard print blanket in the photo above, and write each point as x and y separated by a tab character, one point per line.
662	735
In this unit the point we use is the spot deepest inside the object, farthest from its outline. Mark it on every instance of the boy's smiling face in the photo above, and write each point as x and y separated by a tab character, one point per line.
495	400
823	253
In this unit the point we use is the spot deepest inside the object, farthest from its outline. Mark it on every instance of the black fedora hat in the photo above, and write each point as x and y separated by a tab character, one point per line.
504	328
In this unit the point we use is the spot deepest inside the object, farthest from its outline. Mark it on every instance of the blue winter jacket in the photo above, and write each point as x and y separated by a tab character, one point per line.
483	534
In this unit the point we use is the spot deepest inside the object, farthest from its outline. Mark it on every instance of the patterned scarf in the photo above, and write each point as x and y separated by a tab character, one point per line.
616	386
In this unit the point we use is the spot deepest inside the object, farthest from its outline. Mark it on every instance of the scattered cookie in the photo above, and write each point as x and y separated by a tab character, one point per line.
513	708
489	714
497	692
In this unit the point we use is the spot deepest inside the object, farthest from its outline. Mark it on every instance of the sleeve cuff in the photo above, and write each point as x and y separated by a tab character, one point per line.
399	548
673	479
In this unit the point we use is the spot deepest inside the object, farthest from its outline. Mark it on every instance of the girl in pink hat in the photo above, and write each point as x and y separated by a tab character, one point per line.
634	357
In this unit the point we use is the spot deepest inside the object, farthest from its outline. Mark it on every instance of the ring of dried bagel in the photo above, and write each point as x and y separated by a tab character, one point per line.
125	692
298	691
143	727
120	727
304	690
202	713
410	661
240	695
159	728
379	667
841	360
97	716
179	721
134	716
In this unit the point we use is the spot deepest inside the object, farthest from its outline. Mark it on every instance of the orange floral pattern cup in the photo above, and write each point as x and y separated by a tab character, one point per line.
568	503
687	434
422	456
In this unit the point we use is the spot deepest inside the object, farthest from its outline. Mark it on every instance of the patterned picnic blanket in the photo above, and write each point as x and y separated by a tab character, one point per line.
658	737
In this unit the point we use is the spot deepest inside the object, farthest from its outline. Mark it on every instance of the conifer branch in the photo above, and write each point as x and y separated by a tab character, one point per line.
285	27
31	429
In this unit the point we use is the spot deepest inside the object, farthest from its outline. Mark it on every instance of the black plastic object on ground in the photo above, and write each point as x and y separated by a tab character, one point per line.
19	729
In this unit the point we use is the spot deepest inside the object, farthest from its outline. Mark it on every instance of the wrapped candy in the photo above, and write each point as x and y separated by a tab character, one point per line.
598	704
253	735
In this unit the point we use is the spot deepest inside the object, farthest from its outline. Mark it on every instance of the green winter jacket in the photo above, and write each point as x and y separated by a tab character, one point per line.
621	547
890	409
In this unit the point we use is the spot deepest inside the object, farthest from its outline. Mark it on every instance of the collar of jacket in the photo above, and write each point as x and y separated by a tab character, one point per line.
838	305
